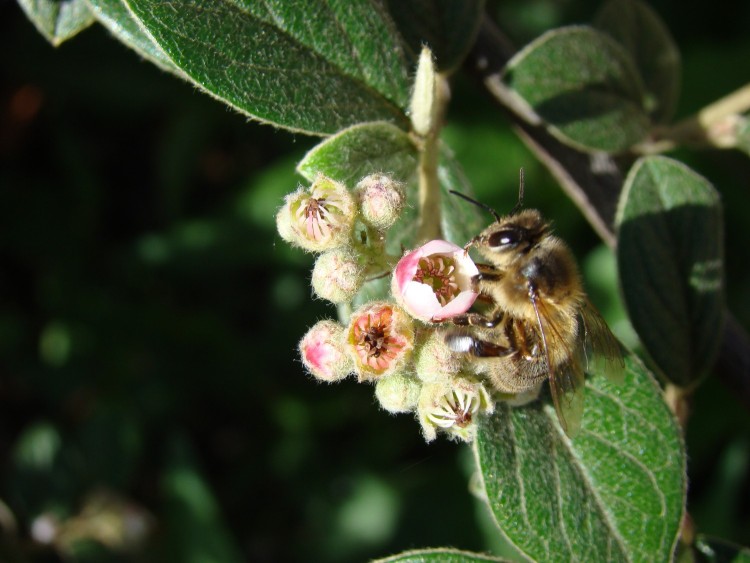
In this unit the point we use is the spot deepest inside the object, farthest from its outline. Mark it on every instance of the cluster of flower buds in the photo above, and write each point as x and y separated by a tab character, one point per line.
399	343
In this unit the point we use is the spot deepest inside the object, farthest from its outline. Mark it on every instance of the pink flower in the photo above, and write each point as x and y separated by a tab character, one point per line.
380	339
323	352
433	282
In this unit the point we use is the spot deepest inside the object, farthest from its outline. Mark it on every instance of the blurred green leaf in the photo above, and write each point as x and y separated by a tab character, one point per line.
670	258
584	86
448	27
361	150
437	555
114	15
197	532
614	493
313	67
638	28
715	550
58	20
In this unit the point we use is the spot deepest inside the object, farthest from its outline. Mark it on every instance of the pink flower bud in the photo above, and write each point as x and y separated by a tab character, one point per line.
381	200
337	276
433	282
452	407
317	218
380	339
323	351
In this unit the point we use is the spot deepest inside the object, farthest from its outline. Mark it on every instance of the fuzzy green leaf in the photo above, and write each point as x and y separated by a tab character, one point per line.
438	555
743	133
584	86
448	27
670	259
361	150
58	20
614	493
638	28
114	15
314	67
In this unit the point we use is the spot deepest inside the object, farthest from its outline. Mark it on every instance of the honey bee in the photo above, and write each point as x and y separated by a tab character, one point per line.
539	323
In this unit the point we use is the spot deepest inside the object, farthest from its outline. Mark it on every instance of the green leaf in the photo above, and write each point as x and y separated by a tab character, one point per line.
437	555
614	493
670	258
715	550
448	27
638	28
584	86
361	150
58	20
115	16
314	67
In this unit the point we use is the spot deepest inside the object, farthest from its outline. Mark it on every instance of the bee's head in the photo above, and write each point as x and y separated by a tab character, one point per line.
511	236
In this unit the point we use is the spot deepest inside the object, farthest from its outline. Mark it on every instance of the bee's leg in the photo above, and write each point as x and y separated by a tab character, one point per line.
486	273
477	319
467	344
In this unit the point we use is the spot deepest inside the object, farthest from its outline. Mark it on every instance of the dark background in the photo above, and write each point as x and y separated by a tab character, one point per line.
149	316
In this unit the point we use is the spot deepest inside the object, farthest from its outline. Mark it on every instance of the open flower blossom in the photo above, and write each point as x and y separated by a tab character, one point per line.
317	218
453	407
433	282
380	339
323	352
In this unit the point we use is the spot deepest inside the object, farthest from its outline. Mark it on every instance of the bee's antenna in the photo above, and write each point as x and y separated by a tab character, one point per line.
495	214
519	204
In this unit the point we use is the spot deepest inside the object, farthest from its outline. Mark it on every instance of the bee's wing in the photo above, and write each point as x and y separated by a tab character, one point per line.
603	352
566	381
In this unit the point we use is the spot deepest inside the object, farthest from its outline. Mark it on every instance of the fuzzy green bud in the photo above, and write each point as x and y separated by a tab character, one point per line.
424	96
434	361
337	275
398	393
381	200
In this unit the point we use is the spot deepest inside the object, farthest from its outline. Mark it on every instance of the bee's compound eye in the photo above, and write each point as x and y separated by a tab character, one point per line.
504	238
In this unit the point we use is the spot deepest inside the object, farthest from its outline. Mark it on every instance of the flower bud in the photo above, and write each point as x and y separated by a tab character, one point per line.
380	339
452	407
317	218
381	200
397	393
433	282
434	361
323	351
423	98
337	276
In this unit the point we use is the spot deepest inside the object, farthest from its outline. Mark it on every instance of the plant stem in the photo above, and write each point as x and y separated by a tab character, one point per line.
713	126
429	227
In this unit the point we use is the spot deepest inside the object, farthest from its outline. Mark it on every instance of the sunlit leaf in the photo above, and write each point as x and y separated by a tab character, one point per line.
361	150
315	67
670	258
438	555
638	28
584	86
614	493
115	16
58	20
